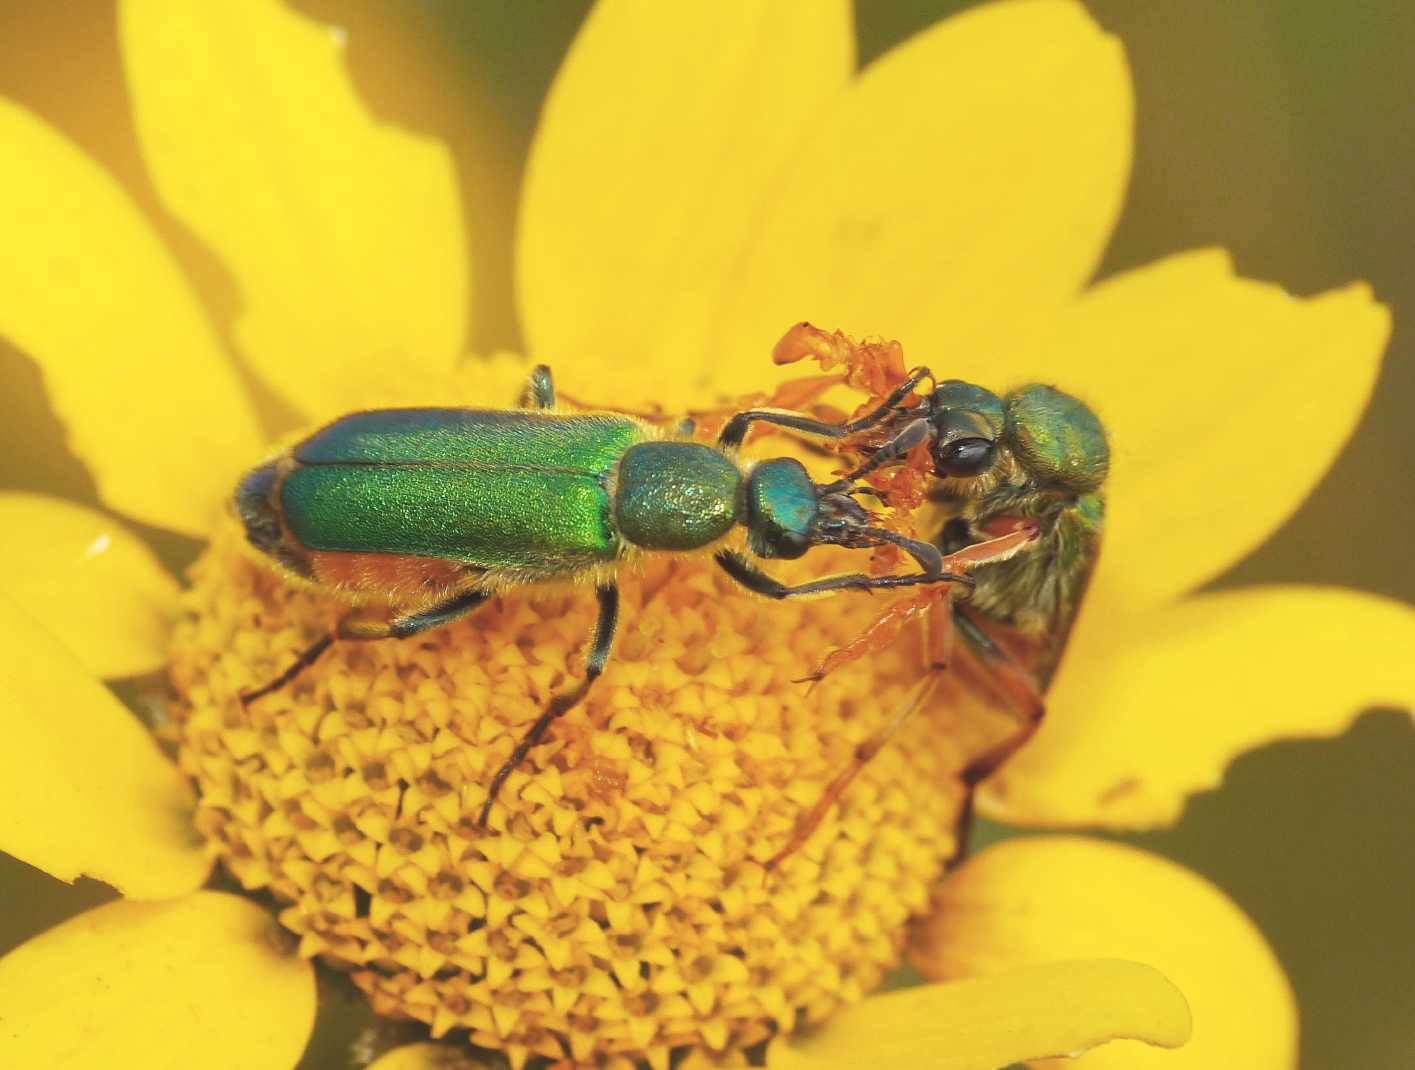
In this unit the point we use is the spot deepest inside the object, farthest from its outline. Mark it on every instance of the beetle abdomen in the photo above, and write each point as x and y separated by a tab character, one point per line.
255	504
400	577
258	505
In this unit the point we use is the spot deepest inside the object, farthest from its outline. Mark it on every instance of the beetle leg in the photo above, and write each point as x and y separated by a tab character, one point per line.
539	391
885	628
864	753
307	657
735	430
938	651
445	612
1019	689
876	636
914	432
562	704
402	627
928	556
754	579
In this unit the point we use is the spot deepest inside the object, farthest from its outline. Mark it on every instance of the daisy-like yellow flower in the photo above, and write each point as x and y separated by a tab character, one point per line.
702	177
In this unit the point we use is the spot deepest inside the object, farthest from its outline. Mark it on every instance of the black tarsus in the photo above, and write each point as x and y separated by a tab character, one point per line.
914	432
561	704
754	579
308	657
539	392
735	430
928	556
349	628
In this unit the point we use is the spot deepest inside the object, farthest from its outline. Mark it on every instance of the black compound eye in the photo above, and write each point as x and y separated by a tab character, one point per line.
789	545
964	456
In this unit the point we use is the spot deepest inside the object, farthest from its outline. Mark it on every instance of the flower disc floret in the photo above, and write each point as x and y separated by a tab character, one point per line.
617	906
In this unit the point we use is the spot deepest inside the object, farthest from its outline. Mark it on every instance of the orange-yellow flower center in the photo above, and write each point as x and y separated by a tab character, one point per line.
617	905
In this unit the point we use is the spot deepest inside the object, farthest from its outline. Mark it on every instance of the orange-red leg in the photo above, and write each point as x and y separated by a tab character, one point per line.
1019	689
1015	686
877	635
938	652
885	628
864	754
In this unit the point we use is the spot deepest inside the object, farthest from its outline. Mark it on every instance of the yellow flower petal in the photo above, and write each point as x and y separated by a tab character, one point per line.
955	198
985	1023
150	402
345	234
426	1057
83	788
89	581
1148	710
198	982
658	139
1226	400
1037	899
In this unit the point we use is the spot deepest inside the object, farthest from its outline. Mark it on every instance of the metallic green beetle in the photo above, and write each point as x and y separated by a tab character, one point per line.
440	509
1034	459
1018	480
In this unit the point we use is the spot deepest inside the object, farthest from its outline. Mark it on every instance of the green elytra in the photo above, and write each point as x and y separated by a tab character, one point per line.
504	498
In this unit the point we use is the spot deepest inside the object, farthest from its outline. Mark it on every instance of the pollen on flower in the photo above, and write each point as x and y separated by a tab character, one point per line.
617	906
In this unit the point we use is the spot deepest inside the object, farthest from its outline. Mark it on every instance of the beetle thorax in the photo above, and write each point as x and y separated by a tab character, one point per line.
675	495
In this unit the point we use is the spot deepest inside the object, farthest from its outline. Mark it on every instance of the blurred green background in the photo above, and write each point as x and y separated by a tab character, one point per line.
1283	130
